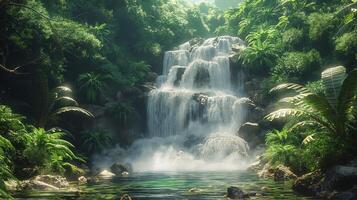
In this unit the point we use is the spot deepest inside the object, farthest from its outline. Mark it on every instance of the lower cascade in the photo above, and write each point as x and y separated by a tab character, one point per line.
193	114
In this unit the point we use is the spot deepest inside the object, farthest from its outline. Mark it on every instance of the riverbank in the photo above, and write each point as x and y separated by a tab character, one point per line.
338	182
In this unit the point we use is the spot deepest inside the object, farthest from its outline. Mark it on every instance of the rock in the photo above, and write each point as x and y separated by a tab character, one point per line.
194	190
283	173
82	180
106	174
308	184
119	168
11	185
36	185
151	76
266	172
92	180
57	181
250	132
235	193
125	173
340	178
346	195
126	197
258	165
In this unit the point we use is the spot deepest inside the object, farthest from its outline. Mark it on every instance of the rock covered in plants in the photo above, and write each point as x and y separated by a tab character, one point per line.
120	168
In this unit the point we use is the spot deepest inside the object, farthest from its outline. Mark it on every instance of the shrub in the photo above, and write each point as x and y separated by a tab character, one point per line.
320	25
95	141
346	46
294	66
292	38
48	151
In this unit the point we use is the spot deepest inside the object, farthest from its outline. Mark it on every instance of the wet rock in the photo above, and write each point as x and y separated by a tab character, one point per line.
106	174
341	178
151	76
92	180
11	185
267	171
308	184
125	173
345	195
56	181
258	165
236	193
36	185
249	132
119	168
194	190
82	180
126	197
283	173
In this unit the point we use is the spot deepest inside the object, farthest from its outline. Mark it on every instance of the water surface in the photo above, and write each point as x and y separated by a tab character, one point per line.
172	186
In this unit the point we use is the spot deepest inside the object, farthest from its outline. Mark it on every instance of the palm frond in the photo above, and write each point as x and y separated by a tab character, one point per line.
283	113
73	109
347	95
332	79
291	86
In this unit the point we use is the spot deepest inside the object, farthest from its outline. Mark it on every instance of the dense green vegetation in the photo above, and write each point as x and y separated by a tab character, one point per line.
294	41
59	59
55	54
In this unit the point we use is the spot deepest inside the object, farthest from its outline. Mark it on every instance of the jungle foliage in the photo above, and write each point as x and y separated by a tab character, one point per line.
289	44
58	54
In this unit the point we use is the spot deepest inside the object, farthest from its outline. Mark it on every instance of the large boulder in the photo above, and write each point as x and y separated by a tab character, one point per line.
345	195
250	132
119	168
340	178
235	193
283	173
308	184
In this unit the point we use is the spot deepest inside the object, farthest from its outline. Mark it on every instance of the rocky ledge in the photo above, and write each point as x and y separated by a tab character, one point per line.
40	182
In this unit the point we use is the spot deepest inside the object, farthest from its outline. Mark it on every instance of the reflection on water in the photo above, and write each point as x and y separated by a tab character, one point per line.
173	185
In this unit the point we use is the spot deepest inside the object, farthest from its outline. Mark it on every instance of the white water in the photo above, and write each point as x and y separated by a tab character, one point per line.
194	113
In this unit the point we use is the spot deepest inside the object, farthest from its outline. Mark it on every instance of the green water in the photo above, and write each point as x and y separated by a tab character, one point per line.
172	186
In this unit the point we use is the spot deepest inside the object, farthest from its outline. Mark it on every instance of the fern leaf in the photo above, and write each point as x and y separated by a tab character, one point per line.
291	86
332	79
347	95
283	113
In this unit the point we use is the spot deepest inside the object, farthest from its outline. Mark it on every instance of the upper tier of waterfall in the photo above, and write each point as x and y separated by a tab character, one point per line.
195	94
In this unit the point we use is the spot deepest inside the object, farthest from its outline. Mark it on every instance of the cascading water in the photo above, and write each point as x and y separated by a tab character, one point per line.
195	98
193	115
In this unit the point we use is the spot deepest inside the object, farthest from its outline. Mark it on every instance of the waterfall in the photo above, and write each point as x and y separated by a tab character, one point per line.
193	114
189	72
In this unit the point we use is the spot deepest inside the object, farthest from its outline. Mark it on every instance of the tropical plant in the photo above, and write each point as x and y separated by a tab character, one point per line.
11	126
260	55
281	147
48	151
296	66
121	112
91	85
60	101
6	150
96	141
333	113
